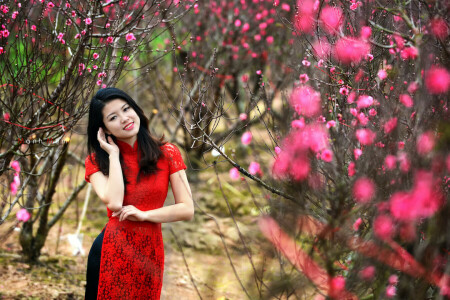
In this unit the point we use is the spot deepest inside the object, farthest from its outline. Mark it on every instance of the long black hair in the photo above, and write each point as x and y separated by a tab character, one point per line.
148	146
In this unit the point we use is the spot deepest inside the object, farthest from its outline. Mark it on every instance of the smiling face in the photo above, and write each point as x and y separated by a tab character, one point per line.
121	121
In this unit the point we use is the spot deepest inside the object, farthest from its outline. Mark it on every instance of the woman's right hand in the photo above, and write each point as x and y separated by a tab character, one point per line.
107	143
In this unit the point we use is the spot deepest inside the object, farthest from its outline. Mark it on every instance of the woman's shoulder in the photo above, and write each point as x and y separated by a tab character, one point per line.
170	150
90	159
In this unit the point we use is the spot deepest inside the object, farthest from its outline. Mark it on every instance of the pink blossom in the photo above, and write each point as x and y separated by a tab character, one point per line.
357	153
350	50
95	55
99	82
390	125
88	21
393	279
277	150
413	87
304	78
401	145
365	136
304	20
439	28
426	194
243	116
337	286
390	291
23	215
110	39
237	23
382	74
245	27
285	7
356	224
399	41
383	227
367	273
363	190
405	163
327	155
354	6
406	100
244	78
366	32
16	180
363	119
33	27
246	138
50	5
409	53
343	91
421	202
15	165
351	169
306	101
321	48
364	101
331	19
353	111
351	98
369	56
315	137
298	123
331	123
14	14
13	188
6	116
306	63
270	39
400	206
258	72
300	169
126	58
437	80
425	143
390	162
130	36
372	112
254	168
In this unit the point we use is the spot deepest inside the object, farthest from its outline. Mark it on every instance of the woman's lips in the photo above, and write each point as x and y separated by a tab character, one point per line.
129	126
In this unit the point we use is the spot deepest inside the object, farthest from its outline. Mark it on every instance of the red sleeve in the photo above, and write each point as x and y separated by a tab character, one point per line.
176	162
91	167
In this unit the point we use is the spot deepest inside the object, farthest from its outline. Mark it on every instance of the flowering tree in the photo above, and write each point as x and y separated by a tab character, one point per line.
362	163
222	51
53	54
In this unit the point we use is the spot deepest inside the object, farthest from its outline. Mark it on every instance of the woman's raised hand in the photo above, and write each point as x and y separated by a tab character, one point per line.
107	143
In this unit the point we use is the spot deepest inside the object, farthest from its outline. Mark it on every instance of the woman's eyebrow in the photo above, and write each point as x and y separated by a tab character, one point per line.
115	112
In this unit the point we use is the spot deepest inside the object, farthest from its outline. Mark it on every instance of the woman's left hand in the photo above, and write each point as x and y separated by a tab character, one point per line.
129	212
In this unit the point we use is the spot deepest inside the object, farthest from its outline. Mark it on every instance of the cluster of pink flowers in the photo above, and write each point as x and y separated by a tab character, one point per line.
16	182
306	101
294	159
422	201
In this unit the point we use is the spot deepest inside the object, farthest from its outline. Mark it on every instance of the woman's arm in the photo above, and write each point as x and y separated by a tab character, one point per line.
109	188
182	210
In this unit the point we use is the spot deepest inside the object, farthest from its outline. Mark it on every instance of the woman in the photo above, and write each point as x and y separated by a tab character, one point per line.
130	172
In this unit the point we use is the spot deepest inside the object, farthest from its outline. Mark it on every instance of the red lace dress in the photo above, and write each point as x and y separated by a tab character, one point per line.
132	255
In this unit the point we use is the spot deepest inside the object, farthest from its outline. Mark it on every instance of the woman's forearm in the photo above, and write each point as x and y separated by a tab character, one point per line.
170	213
114	190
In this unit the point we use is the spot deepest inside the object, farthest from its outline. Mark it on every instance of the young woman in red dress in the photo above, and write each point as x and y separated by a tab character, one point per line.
130	171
